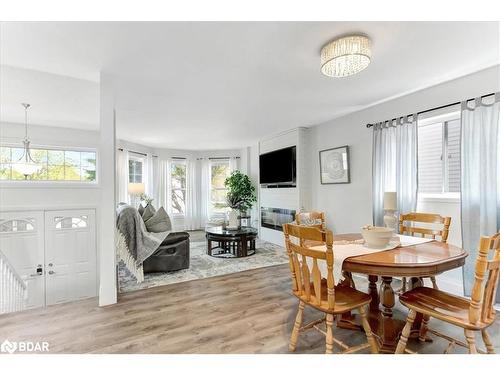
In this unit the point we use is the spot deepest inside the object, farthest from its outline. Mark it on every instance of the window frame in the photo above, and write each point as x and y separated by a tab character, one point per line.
143	161
36	184
170	189
445	195
211	188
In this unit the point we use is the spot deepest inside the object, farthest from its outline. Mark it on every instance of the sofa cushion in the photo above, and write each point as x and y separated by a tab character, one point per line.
148	213
159	222
175	237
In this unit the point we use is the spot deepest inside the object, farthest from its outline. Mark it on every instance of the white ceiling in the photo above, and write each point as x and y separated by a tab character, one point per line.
215	85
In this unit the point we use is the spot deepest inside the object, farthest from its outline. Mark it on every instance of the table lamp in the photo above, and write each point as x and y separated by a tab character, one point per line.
135	189
390	208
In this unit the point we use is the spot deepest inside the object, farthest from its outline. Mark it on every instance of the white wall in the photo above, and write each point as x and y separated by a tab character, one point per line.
349	206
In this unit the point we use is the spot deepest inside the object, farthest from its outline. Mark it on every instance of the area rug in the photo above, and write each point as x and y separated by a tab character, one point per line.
203	266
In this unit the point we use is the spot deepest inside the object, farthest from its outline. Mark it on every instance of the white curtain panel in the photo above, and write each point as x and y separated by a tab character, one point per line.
163	184
152	178
233	164
204	210
122	176
192	217
480	182
394	165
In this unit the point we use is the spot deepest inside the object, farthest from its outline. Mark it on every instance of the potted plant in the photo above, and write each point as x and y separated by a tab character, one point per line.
240	196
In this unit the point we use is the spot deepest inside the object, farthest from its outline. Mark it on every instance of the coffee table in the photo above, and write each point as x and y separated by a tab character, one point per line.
236	243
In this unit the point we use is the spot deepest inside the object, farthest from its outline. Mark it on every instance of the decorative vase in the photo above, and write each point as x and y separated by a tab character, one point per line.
233	217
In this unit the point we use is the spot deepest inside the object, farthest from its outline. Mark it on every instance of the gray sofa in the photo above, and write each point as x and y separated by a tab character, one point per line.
172	255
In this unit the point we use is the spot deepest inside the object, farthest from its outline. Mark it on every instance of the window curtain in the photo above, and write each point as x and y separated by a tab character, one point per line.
163	184
395	165
480	182
233	164
191	218
153	178
122	176
204	210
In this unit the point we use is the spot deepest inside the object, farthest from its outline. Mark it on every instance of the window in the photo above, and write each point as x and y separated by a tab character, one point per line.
178	187
135	169
219	171
55	164
439	155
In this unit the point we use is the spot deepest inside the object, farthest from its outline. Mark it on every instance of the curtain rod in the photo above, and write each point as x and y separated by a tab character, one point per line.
435	108
138	153
220	158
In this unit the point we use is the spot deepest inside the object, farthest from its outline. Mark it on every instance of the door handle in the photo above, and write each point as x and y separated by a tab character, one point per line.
39	271
51	272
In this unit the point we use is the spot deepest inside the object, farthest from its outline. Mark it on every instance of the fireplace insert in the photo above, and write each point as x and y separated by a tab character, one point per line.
274	218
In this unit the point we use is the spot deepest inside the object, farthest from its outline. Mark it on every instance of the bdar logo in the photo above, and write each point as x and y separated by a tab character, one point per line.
8	347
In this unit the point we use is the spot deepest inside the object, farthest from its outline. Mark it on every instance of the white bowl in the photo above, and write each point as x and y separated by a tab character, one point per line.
377	237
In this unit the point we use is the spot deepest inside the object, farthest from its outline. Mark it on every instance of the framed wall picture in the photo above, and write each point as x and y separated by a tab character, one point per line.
334	165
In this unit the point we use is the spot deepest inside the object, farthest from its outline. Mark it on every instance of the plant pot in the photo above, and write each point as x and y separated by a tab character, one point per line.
234	219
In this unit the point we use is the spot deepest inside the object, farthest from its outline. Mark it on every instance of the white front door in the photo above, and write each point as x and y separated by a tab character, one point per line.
70	255
21	241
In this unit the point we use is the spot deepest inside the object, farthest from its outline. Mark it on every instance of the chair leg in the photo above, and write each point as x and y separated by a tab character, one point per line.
368	330
403	288
434	283
487	341
422	334
329	333
296	327
471	341
400	349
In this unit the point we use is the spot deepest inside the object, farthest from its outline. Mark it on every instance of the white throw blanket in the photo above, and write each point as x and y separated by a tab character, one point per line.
346	249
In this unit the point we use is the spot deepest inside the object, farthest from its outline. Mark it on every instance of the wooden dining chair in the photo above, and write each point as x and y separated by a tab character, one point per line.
474	314
314	290
313	219
440	228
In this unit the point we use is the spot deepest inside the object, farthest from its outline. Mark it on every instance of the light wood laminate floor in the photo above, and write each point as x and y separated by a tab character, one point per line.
247	312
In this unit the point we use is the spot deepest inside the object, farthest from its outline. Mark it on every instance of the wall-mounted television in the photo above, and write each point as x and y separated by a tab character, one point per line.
278	168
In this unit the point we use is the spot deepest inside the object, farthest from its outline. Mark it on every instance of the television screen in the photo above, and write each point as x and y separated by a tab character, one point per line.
278	167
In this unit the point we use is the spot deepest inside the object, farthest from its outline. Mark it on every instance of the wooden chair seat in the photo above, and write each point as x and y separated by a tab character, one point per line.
441	305
346	298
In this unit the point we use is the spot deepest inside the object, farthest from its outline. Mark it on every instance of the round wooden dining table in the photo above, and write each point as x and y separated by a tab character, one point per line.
413	262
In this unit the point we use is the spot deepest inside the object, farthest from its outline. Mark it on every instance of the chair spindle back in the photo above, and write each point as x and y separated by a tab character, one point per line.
302	276
311	219
483	297
416	217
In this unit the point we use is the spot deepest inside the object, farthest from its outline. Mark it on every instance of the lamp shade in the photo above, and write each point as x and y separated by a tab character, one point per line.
136	188
390	200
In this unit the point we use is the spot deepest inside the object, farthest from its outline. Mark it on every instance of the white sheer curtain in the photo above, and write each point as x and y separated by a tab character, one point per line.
233	164
153	178
163	184
204	210
191	216
394	165
122	176
480	182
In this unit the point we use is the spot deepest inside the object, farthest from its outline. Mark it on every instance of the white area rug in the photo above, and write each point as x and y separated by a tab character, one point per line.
203	266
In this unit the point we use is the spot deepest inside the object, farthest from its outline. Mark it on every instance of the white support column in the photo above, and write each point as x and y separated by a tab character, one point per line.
107	259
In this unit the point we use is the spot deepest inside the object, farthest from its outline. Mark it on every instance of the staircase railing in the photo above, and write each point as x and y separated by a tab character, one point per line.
12	288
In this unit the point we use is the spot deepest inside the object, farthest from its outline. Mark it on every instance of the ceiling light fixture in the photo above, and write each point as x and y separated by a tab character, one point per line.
26	165
346	56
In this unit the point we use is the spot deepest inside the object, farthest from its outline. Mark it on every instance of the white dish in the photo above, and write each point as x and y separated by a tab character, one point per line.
393	243
377	237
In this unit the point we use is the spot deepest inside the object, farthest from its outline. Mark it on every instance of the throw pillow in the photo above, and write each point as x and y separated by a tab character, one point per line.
140	209
148	213
159	222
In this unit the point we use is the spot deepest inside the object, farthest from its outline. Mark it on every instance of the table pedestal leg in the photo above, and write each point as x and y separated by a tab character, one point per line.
389	328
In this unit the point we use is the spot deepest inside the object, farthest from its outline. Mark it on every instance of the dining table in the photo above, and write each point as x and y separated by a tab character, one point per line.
414	262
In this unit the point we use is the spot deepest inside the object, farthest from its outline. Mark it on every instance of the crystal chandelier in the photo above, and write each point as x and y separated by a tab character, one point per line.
345	56
26	165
